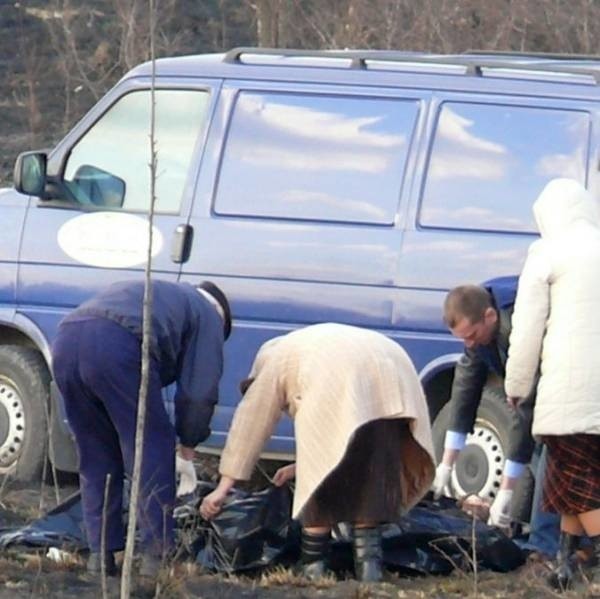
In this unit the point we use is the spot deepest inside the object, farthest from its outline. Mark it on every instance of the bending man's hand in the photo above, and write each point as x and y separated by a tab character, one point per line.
187	476
441	480
500	510
284	474
212	504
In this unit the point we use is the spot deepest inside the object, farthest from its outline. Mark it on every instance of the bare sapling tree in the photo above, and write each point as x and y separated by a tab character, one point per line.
146	335
103	581
474	558
49	454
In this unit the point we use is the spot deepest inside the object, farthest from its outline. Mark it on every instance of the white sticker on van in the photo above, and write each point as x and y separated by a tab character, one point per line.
108	239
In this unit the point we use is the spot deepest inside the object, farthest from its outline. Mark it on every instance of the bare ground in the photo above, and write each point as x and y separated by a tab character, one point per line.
29	573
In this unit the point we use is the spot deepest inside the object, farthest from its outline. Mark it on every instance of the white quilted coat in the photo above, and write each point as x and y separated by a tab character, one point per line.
556	321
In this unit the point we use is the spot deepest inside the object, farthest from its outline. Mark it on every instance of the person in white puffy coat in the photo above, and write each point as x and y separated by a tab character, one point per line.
556	328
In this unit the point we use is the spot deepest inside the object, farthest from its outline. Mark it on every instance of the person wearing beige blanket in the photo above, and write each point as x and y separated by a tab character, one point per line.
364	452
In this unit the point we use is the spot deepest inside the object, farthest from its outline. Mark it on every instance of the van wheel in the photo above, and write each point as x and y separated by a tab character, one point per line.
24	397
478	468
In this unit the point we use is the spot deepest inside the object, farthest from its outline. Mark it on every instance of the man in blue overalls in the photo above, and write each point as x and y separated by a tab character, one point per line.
96	363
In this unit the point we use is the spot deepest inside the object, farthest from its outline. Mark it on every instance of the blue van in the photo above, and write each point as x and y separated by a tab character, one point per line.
349	186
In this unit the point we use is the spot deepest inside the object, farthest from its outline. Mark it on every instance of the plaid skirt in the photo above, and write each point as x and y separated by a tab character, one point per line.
367	484
572	483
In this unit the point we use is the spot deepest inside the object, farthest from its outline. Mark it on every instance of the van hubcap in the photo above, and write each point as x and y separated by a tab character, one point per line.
479	465
12	423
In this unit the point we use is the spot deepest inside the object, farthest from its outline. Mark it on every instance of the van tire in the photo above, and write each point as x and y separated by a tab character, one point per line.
478	468
24	404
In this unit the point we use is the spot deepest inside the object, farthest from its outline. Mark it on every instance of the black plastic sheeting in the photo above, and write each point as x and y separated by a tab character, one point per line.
61	527
254	531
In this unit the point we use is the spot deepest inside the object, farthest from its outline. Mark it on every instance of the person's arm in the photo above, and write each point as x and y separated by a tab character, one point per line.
198	382
520	441
253	422
212	504
500	510
184	468
450	455
187	453
284	474
470	375
520	450
443	472
532	307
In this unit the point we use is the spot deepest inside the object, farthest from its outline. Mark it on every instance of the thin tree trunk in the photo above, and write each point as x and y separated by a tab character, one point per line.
266	23
103	539
146	330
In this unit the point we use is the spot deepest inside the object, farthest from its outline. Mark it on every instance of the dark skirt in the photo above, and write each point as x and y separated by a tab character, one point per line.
572	483
366	486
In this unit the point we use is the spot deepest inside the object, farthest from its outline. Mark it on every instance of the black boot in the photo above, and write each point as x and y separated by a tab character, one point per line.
315	550
368	554
94	564
562	575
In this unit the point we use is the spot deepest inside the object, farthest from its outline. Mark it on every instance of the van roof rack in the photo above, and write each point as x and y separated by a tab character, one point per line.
542	55
474	63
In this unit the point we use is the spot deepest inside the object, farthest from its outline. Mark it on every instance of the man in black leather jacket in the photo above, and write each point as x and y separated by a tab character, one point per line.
481	317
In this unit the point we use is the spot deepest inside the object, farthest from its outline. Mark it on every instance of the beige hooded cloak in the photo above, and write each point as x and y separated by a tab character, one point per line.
331	379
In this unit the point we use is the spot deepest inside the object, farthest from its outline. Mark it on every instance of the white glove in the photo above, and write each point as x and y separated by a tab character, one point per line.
187	476
441	480
500	510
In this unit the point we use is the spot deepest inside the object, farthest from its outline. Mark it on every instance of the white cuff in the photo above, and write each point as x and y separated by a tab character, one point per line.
455	440
513	469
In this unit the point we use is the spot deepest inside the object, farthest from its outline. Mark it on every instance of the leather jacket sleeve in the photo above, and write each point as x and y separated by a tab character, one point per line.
470	376
520	442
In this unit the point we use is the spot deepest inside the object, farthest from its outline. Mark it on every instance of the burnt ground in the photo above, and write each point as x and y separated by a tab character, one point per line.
26	572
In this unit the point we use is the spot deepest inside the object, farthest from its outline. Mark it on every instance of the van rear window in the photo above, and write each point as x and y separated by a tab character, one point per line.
315	157
489	163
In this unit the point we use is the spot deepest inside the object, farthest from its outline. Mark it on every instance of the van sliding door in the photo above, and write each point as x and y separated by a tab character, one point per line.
297	214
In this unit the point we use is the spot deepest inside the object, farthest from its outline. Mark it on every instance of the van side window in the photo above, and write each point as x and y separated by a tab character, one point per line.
109	165
315	157
489	163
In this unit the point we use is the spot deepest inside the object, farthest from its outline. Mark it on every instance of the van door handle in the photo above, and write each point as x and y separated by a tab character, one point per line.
182	243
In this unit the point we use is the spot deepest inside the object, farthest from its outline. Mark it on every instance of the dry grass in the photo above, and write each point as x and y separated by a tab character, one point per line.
29	573
33	575
15	561
281	576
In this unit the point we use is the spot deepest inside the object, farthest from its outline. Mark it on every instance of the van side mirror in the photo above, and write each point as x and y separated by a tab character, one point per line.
92	185
30	173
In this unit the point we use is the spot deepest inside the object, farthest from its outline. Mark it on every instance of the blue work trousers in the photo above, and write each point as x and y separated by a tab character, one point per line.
96	365
544	526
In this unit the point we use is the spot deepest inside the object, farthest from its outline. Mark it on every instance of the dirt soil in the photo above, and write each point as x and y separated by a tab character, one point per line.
29	573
